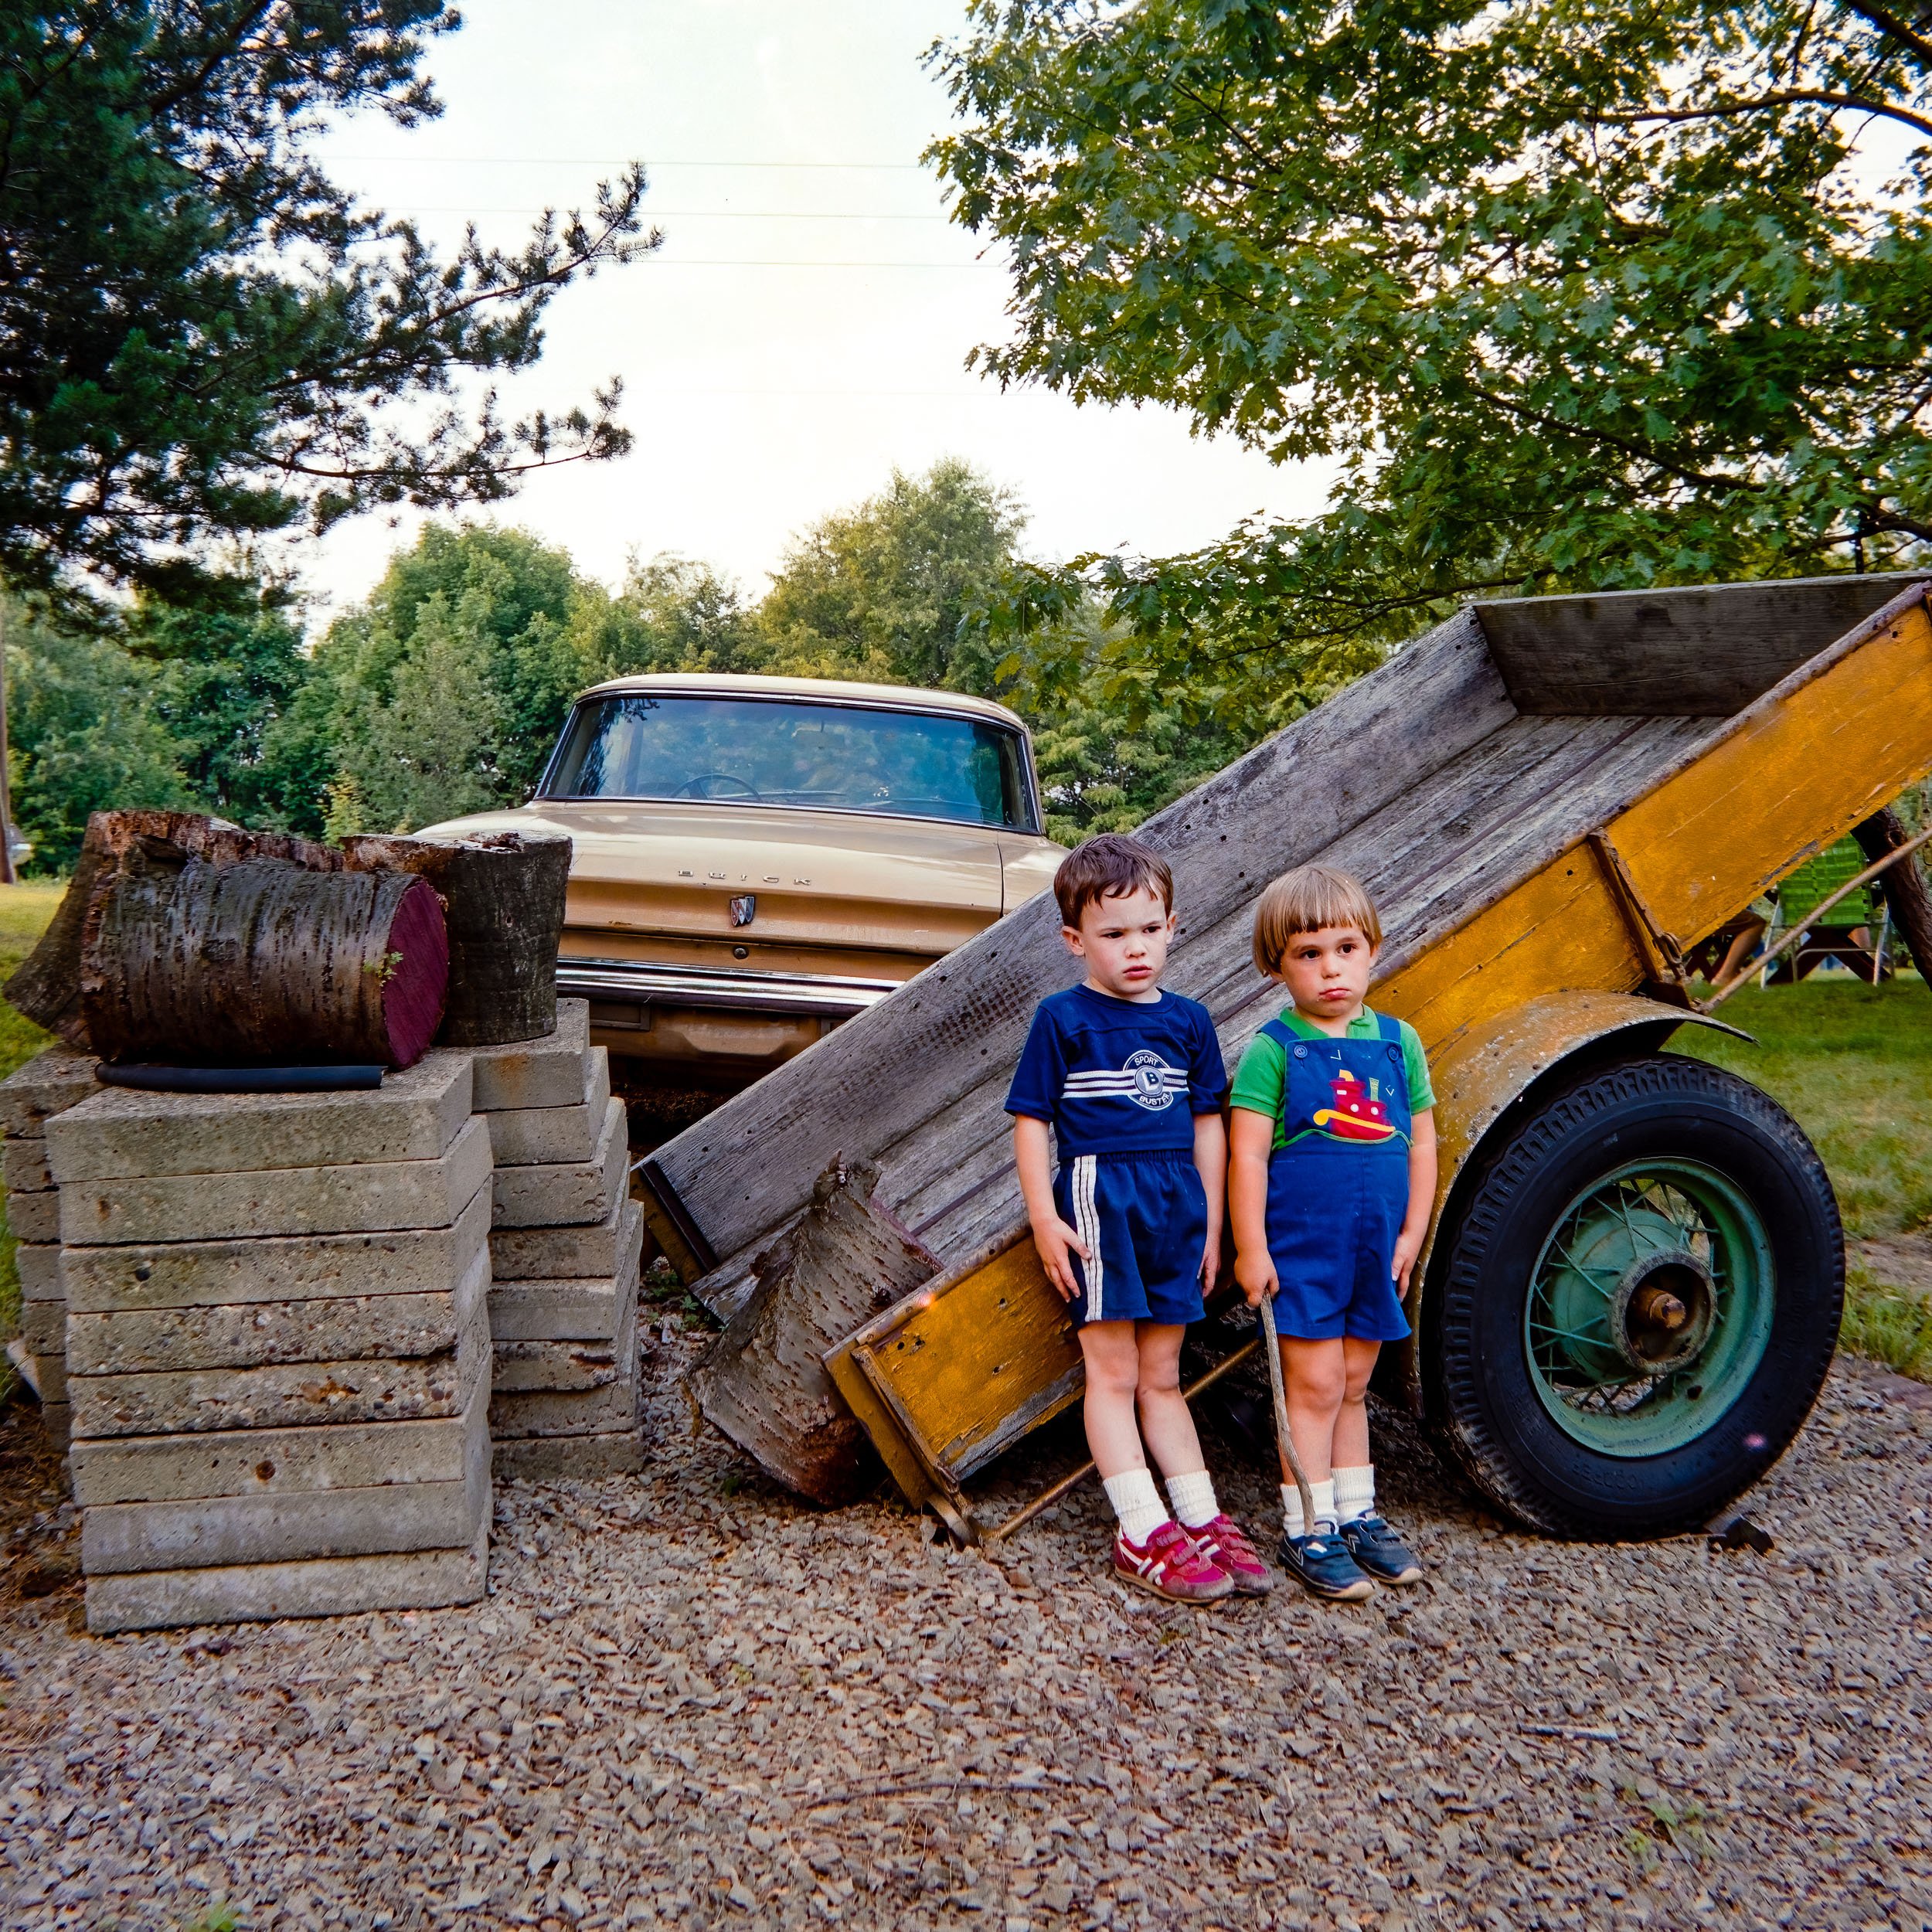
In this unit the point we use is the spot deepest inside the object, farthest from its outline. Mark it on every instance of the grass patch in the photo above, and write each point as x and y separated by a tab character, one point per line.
25	910
1853	1064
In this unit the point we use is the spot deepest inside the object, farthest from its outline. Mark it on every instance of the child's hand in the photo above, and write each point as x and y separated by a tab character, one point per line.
1210	1264
1408	1246
1054	1240
1254	1271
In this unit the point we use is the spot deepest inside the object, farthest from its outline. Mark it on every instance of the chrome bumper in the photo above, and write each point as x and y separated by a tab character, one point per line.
712	988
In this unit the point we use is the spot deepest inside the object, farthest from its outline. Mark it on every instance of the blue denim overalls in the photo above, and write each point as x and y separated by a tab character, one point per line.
1339	1186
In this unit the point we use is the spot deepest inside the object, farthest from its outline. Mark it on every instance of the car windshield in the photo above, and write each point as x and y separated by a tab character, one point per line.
829	757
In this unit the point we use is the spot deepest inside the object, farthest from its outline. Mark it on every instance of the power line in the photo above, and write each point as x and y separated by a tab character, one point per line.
607	161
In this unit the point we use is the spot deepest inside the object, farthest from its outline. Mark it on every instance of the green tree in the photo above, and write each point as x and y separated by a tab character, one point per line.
201	335
887	590
87	735
227	669
1574	294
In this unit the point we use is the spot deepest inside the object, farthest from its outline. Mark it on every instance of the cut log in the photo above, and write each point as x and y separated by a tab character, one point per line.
502	897
264	961
1904	886
763	1382
46	987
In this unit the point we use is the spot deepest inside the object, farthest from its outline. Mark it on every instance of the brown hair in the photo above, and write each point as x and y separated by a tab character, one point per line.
1305	900
1110	867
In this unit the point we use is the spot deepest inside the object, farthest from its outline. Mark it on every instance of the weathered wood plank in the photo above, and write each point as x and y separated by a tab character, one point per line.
1697	652
745	1168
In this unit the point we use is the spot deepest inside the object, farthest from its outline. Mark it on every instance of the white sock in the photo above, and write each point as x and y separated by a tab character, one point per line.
1193	1498
1355	1492
1324	1495
1137	1502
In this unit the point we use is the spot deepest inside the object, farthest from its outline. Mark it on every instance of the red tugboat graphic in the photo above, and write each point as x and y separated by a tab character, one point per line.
1355	1116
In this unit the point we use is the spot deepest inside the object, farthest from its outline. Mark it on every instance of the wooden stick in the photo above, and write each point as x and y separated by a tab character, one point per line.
1290	1462
1047	1497
1799	928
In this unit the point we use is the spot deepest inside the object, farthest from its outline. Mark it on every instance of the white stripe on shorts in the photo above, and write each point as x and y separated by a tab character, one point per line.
1086	1225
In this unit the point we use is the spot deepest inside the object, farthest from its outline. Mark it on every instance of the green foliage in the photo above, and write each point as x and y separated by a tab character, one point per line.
444	693
1574	294
887	590
204	337
88	733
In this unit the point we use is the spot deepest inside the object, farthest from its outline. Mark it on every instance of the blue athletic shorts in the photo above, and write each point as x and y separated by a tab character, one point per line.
1143	1219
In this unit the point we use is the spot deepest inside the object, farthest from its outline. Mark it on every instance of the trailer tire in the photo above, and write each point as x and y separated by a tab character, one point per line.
1656	1185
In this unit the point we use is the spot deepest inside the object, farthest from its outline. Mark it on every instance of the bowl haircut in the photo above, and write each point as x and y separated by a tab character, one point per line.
1304	901
1110	866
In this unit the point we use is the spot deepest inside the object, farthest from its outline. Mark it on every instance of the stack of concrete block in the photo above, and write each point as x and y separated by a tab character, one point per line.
566	1244
278	1348
46	1086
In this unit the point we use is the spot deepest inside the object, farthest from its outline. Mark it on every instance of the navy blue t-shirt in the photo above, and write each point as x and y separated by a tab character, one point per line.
1118	1076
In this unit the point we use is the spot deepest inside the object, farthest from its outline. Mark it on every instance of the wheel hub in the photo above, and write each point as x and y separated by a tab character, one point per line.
1660	1315
1650	1307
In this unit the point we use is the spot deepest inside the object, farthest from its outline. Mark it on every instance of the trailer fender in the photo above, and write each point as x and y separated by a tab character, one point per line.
1483	1077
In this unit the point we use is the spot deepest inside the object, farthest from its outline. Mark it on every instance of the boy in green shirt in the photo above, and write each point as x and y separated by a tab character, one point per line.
1332	1179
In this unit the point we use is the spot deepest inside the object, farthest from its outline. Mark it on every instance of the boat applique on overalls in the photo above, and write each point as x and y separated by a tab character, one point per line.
1358	1114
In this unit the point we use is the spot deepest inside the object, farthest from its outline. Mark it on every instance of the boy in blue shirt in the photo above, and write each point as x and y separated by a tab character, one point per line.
1332	1182
1130	1079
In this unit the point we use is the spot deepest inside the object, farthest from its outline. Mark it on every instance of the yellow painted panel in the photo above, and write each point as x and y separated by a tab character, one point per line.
1789	783
915	1483
1560	929
995	1353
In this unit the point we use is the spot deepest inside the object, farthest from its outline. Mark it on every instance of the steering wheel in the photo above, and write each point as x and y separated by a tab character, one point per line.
689	788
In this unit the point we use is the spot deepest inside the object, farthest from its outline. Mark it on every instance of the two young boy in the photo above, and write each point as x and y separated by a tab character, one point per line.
1328	1193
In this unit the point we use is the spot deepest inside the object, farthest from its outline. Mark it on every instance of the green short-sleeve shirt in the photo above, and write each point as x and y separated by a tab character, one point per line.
1257	1081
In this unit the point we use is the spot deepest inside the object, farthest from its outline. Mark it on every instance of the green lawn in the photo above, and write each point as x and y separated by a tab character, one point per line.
24	911
1853	1063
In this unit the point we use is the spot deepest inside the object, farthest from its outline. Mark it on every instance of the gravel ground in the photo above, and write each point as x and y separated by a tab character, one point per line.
691	1701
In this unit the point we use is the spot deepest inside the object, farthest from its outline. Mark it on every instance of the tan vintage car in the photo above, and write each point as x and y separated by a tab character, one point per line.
757	859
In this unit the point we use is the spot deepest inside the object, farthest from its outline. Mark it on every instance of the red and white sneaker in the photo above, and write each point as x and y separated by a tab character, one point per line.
1168	1564
1224	1543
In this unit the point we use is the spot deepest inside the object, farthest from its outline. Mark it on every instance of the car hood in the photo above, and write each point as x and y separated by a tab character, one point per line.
852	856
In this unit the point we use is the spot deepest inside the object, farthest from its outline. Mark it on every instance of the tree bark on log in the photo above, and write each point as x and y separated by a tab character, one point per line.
263	961
764	1382
1906	891
502	897
46	986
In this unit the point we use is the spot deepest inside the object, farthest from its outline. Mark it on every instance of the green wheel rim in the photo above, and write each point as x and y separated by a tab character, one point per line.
1649	1308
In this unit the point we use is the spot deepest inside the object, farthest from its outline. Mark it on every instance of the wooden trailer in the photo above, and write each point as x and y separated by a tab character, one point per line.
1551	799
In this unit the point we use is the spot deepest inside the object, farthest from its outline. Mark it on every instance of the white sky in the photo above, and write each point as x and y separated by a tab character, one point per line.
804	327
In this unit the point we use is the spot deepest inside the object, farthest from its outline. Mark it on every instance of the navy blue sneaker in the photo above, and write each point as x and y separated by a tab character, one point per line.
1323	1563
1379	1550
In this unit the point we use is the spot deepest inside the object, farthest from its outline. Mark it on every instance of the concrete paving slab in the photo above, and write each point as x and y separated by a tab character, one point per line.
567	1309
350	1199
412	1115
50	1378
516	1413
254	1335
191	1274
264	1462
289	1394
571	1193
534	1136
49	1083
23	1163
290	1526
535	1073
567	1458
35	1217
38	1266
331	1587
568	1365
57	1419
43	1326
587	1253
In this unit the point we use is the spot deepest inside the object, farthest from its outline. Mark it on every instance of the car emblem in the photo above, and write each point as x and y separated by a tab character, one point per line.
744	908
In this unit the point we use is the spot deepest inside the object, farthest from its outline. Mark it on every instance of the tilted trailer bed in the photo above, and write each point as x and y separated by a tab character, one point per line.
1552	799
